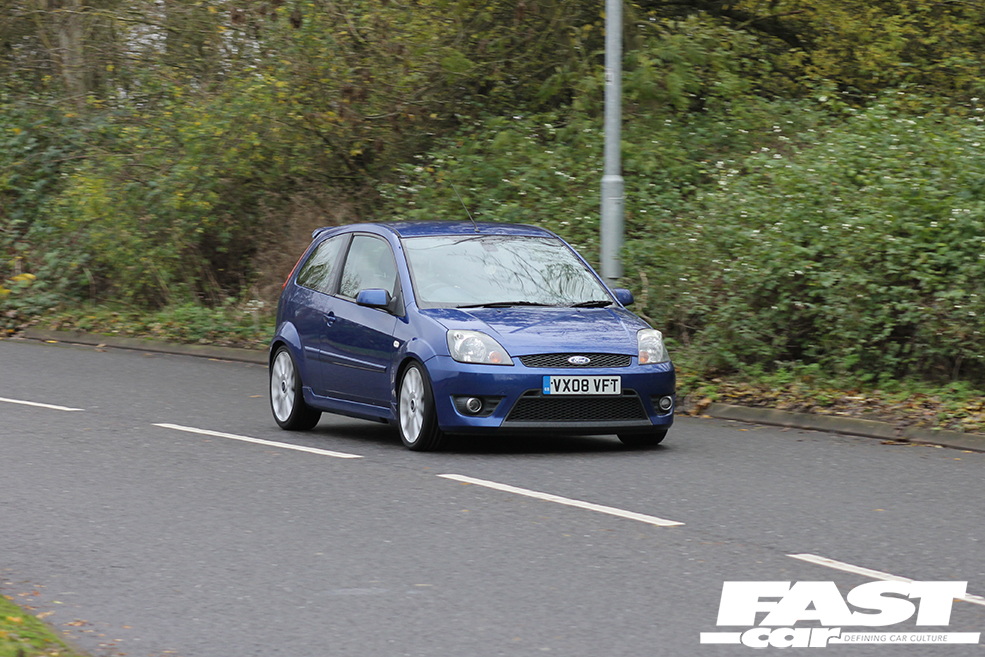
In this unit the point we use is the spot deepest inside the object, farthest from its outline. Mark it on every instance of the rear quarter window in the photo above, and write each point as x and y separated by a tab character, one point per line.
317	272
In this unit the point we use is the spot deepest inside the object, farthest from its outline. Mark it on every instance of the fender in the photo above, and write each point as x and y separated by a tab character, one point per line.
287	334
412	347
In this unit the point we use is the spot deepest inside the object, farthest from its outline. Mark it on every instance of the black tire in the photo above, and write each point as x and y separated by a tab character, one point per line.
286	399
417	419
642	440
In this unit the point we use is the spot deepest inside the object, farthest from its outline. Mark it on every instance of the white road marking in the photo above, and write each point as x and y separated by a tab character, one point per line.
874	574
653	520
260	441
39	405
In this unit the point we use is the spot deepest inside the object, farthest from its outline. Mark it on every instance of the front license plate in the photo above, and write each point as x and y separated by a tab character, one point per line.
582	385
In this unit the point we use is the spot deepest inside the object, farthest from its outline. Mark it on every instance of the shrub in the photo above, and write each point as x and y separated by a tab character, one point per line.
759	232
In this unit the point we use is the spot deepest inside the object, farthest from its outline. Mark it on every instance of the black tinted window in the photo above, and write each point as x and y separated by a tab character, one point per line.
368	266
317	271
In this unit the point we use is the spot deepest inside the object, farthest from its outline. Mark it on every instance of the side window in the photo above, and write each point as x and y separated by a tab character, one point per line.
369	265
317	271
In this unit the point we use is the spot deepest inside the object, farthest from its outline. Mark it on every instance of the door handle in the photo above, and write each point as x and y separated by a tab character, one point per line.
330	319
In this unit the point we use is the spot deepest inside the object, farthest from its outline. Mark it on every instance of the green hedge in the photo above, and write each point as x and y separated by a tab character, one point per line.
761	234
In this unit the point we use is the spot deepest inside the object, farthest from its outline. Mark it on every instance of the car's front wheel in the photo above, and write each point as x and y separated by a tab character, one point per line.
416	416
286	399
641	440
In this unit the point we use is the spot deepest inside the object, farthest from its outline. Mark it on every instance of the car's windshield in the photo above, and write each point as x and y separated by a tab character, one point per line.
456	271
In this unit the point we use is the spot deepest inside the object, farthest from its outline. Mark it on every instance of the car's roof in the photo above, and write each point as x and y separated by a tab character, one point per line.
433	228
437	228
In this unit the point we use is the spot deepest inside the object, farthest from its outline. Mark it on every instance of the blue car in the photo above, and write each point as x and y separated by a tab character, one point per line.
460	328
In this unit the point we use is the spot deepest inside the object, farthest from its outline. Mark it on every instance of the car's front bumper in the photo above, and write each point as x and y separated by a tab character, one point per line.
520	405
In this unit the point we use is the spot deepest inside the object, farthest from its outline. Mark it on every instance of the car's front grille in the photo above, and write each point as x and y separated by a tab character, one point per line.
561	360
536	407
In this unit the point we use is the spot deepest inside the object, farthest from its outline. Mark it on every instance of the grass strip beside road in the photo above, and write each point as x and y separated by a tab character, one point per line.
24	635
904	403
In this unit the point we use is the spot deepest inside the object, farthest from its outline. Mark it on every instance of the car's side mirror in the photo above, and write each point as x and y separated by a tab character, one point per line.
624	296
373	298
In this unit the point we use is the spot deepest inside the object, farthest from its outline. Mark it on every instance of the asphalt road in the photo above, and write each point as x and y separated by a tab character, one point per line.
138	539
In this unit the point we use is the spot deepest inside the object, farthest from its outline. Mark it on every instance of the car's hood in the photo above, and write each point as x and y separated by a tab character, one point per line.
538	330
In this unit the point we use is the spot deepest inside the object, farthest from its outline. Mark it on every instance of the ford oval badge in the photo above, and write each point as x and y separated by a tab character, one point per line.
579	360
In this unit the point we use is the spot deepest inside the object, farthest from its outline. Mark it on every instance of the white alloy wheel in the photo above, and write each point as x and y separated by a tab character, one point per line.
416	414
286	401
282	386
412	402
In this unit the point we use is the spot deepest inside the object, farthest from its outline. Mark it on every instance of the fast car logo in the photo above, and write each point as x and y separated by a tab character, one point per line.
876	604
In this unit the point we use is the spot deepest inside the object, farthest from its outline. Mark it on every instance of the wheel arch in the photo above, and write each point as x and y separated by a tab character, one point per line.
287	336
402	367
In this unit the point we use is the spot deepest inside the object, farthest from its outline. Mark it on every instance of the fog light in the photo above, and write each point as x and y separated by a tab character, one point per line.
473	404
665	403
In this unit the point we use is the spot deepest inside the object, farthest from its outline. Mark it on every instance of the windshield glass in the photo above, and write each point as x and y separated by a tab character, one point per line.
454	271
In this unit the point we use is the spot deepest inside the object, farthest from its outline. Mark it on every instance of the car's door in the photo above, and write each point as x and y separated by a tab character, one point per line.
316	305
359	342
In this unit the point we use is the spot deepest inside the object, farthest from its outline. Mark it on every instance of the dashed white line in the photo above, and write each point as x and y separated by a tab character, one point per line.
612	511
874	574
39	405
259	441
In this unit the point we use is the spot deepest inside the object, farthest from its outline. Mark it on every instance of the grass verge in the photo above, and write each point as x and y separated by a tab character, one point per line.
247	325
24	635
955	406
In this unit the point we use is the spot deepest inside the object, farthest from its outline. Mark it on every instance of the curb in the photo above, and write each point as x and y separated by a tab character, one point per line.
849	426
141	344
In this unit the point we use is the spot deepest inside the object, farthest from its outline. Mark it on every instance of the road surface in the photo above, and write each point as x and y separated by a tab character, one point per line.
149	506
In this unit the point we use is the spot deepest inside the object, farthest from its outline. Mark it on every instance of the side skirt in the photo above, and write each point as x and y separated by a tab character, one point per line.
348	408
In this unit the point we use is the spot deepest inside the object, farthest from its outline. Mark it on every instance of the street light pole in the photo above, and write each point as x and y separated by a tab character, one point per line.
611	229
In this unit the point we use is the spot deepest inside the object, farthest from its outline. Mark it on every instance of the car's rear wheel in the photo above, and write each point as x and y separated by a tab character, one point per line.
286	399
416	416
640	440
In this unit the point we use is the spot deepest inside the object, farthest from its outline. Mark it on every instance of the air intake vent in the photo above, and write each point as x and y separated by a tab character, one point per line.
534	407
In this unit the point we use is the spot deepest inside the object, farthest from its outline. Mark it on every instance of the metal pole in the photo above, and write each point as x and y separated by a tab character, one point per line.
612	181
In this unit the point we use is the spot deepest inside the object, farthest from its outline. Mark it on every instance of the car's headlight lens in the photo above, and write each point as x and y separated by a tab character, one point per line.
652	349
476	347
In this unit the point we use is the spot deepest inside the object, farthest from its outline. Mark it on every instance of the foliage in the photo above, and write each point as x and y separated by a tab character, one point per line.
794	387
858	247
861	46
803	178
809	232
247	324
37	142
22	634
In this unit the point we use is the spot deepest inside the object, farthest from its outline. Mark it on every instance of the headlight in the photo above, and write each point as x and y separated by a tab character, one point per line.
476	347
652	349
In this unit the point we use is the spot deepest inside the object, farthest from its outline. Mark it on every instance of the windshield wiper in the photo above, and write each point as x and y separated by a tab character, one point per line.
595	303
504	304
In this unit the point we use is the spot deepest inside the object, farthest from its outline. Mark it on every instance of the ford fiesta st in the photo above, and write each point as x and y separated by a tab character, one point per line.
460	328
